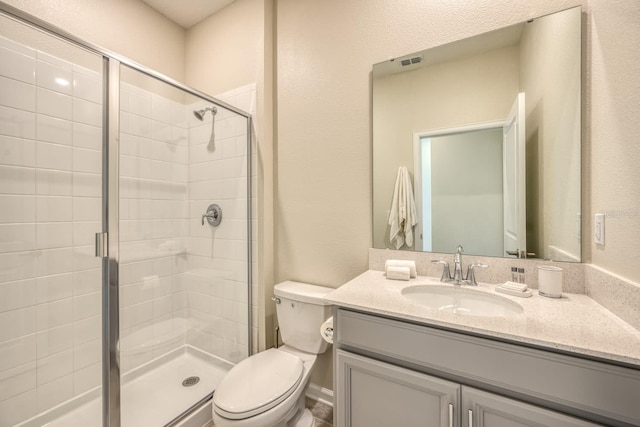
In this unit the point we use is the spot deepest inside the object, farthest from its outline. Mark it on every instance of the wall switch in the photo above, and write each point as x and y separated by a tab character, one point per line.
598	229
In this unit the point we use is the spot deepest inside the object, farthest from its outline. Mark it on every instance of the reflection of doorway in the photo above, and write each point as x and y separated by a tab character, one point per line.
459	189
470	189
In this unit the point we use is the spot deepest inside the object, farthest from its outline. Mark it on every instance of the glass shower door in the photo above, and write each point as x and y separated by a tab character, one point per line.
51	106
183	215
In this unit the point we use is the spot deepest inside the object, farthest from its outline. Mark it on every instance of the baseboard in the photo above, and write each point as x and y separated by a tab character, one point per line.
321	394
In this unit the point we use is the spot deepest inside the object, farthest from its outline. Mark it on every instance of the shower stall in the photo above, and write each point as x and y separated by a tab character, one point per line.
125	236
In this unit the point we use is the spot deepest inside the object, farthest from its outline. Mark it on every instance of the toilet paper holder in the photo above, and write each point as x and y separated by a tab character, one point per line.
328	333
326	330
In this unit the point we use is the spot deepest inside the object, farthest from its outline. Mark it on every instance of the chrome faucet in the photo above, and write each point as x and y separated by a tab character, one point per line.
458	278
457	266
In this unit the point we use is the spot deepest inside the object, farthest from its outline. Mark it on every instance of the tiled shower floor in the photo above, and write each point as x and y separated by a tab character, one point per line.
155	397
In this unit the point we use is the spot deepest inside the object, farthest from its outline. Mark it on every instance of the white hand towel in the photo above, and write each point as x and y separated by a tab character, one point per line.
401	263
398	273
402	216
395	220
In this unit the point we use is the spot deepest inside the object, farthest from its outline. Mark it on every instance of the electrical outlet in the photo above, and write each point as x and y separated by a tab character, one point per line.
598	229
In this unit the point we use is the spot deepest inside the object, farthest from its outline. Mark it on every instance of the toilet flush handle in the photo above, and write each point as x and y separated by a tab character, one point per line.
276	300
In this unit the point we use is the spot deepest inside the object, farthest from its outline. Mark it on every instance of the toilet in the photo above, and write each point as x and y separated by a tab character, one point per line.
268	389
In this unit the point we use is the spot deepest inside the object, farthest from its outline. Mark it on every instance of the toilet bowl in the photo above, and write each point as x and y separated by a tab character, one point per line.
268	389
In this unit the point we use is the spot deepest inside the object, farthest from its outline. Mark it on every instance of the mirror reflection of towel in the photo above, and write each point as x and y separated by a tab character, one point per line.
402	217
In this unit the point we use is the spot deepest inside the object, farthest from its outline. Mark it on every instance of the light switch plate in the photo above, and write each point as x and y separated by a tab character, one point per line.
598	229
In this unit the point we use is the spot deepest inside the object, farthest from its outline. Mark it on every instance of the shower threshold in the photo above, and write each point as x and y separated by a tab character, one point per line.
153	396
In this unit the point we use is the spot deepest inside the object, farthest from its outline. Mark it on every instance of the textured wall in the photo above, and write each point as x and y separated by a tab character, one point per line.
615	150
222	50
129	28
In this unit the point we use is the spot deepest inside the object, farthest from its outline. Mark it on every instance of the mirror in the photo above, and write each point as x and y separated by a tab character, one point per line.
488	129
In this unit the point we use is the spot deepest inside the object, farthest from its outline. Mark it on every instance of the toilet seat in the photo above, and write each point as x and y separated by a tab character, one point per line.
257	384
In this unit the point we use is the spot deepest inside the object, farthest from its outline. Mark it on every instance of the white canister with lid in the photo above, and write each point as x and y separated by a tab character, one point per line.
550	281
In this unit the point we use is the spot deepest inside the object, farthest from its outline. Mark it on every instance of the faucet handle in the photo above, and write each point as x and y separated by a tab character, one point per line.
471	275
446	273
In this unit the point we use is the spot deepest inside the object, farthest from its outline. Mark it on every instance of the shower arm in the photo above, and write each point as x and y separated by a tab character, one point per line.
200	116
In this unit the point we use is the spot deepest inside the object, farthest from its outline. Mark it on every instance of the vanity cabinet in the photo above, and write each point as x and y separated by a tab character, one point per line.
390	372
376	393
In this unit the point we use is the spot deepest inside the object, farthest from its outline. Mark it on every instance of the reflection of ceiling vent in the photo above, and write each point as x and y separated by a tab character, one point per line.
411	61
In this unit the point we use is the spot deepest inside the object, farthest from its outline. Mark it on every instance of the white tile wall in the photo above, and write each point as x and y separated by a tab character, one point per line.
169	177
49	183
217	258
152	205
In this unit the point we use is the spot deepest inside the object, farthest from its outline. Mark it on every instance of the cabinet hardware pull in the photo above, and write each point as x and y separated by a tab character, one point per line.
450	415
470	418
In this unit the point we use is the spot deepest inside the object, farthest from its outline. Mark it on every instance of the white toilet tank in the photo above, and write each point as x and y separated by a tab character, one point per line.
301	311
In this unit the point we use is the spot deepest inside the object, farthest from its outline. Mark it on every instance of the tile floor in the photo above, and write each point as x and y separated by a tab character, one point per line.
322	413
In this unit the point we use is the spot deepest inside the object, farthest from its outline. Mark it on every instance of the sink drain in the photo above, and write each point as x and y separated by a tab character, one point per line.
188	382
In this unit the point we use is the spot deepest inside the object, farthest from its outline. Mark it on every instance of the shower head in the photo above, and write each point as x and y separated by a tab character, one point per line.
200	113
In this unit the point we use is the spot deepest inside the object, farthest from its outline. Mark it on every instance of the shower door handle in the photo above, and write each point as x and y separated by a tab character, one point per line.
102	245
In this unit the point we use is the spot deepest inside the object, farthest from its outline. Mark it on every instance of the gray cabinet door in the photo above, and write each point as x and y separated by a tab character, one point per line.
482	409
370	393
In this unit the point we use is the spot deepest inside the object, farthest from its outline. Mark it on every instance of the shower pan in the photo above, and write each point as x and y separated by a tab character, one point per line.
117	308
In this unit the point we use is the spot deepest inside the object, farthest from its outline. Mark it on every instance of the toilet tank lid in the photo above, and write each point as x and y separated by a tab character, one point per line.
303	292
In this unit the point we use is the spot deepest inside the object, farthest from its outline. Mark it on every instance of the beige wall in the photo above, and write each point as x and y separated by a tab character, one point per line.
222	51
614	145
129	28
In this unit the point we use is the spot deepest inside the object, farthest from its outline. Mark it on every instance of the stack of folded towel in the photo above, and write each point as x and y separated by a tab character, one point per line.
397	269
513	288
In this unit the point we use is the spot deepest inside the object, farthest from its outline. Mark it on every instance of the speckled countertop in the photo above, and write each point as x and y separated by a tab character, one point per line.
574	323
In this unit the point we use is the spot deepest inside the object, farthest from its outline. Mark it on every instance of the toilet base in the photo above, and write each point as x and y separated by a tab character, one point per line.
303	416
305	420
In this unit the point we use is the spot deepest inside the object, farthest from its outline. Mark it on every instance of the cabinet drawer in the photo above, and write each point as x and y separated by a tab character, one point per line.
583	387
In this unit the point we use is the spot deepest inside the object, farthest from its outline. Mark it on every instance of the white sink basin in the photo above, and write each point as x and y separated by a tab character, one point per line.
458	299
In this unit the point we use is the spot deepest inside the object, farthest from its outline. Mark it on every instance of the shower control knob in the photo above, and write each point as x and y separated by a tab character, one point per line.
213	215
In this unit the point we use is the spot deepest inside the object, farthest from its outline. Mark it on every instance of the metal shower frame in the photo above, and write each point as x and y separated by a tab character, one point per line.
107	241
